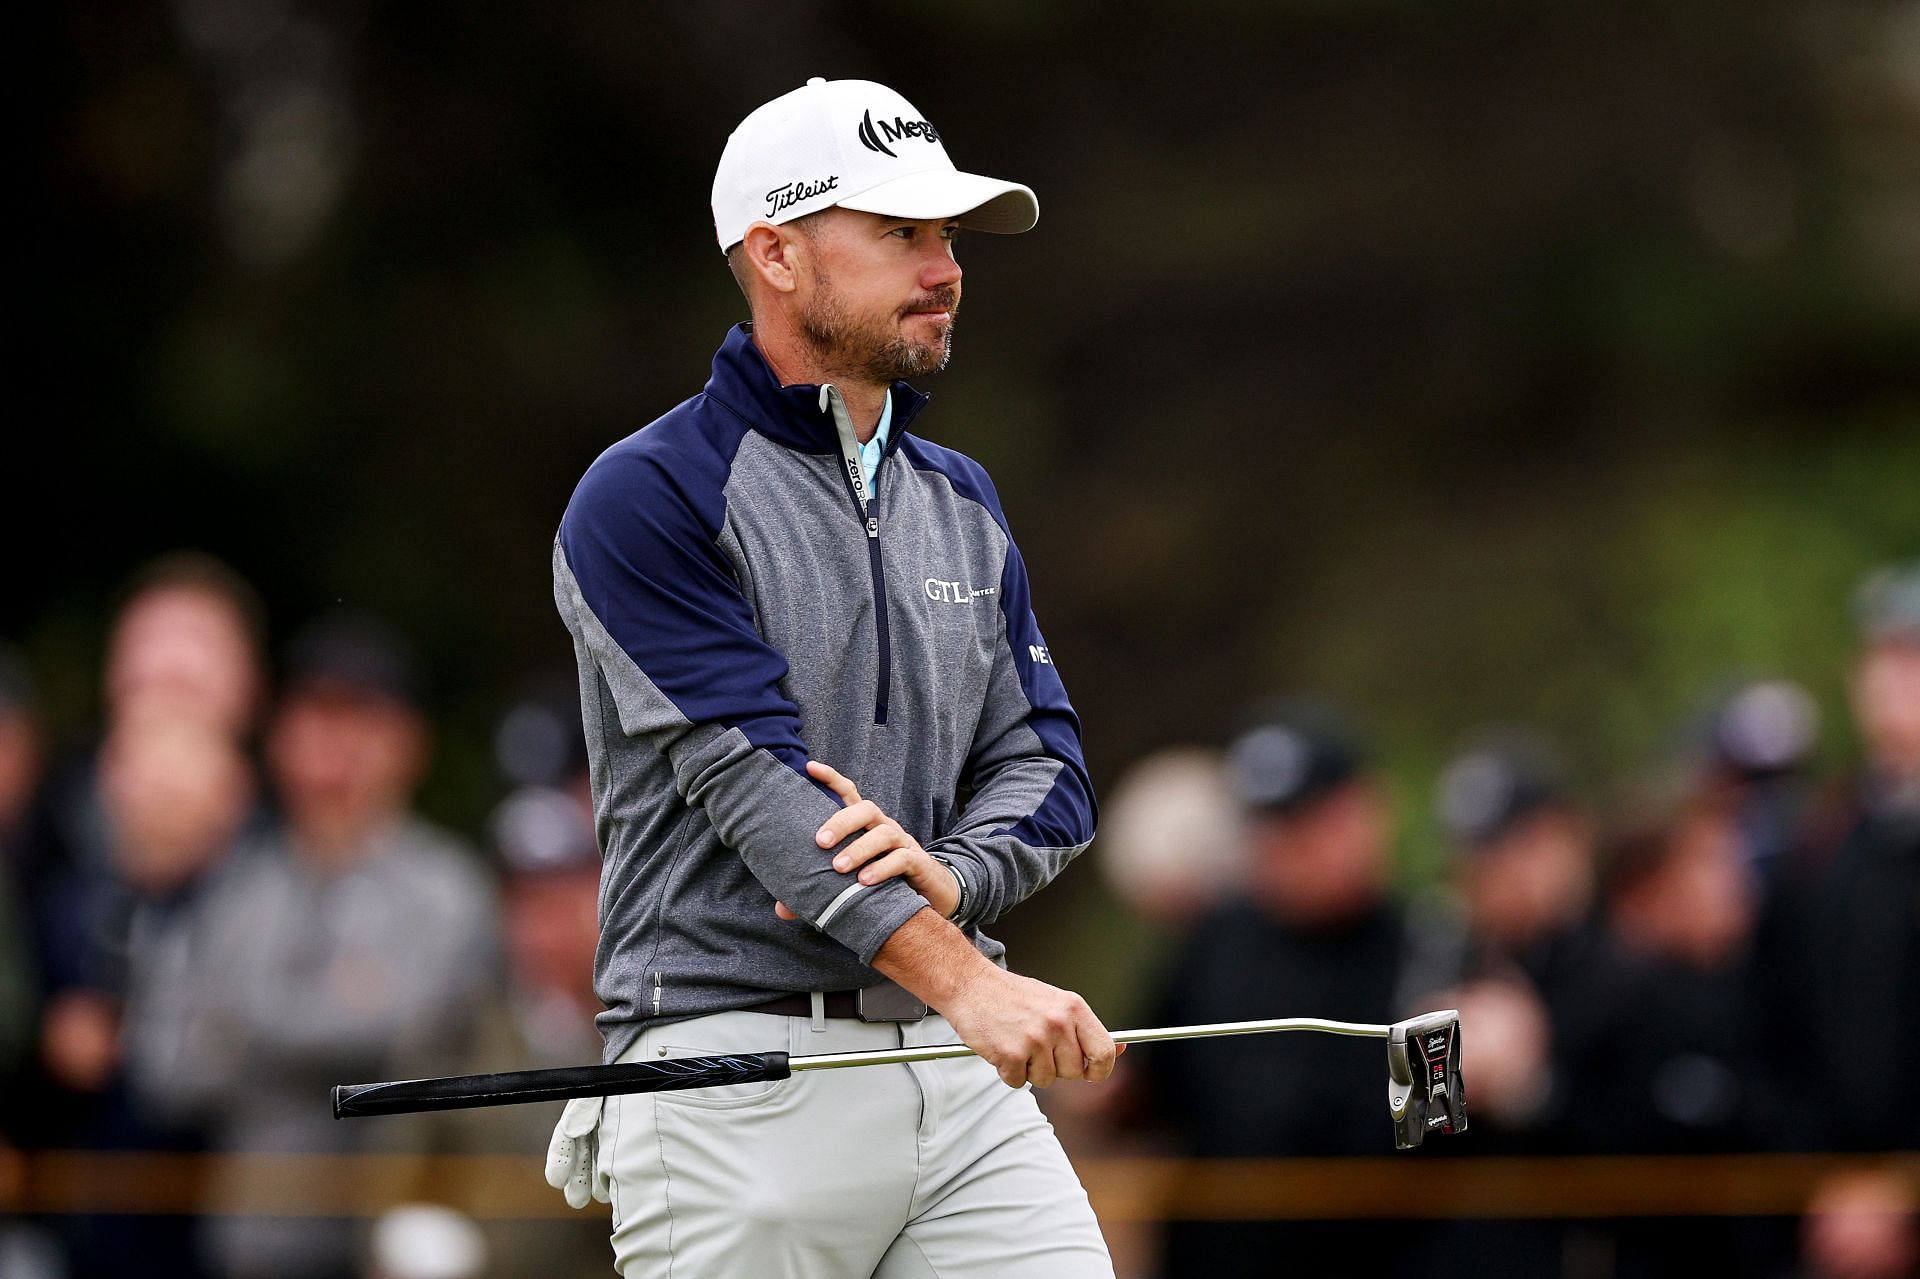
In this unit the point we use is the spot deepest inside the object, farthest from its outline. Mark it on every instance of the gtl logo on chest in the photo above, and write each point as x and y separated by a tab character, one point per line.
955	592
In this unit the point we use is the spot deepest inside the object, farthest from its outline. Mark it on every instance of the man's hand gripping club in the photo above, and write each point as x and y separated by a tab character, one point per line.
1031	1032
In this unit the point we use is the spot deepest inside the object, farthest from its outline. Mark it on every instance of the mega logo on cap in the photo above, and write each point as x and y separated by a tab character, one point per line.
875	137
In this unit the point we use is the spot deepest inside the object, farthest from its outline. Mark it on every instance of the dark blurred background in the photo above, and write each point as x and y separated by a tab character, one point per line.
1462	364
1509	360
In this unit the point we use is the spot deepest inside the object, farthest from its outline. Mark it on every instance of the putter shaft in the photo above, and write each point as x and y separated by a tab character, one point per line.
940	1052
1423	1062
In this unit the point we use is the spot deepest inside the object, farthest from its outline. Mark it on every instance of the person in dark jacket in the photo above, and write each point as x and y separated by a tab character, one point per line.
1313	934
1841	955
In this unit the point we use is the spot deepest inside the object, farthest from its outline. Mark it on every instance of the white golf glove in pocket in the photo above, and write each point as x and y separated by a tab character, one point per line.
573	1153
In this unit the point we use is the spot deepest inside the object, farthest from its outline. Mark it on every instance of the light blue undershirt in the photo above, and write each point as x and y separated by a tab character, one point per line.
871	451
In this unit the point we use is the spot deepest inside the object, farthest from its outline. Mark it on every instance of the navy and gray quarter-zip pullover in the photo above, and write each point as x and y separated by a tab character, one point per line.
739	604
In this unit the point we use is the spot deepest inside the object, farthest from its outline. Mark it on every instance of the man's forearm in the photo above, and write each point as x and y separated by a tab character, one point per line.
933	959
1028	1030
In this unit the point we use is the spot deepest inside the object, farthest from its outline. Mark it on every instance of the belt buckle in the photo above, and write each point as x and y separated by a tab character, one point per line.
889	1001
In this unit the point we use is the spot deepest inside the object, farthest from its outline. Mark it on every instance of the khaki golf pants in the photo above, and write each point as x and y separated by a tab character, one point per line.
935	1170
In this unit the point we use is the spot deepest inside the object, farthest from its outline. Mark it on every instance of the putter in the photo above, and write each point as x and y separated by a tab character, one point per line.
1424	1093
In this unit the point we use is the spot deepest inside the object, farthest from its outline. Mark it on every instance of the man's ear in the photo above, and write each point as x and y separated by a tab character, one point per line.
774	254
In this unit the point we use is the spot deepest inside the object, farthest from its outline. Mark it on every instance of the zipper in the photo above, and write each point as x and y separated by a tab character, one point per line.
831	401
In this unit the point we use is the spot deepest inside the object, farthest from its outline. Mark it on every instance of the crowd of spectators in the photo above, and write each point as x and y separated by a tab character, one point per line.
1723	959
225	902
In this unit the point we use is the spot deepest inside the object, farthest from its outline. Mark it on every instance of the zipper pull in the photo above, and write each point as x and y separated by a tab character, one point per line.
873	526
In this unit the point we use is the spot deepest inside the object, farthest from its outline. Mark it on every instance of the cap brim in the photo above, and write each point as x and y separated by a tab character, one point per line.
979	204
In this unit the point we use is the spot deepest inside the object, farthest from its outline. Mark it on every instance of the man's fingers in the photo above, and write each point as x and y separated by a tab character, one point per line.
883	838
784	911
1069	1059
848	820
895	863
830	777
1101	1052
1013	1074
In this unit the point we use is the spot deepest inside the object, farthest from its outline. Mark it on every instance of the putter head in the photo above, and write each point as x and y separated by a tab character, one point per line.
1424	1091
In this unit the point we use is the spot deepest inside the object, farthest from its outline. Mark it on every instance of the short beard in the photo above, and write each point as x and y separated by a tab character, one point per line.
870	348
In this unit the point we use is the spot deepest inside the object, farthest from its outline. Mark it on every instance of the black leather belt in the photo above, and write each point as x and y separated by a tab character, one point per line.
886	1002
840	1003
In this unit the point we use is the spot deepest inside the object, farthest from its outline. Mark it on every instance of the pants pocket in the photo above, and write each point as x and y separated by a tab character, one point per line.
720	1035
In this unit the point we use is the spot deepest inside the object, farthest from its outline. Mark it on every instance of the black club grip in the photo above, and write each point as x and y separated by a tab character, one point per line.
466	1092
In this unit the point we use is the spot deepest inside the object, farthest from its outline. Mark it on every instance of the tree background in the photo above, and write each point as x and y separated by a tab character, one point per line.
1467	363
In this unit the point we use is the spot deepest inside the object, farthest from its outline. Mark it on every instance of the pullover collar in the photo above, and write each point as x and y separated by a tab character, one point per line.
796	416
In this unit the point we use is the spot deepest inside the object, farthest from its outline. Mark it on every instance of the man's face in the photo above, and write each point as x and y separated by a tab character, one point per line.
1886	700
1326	862
186	650
343	758
552	926
880	299
1533	880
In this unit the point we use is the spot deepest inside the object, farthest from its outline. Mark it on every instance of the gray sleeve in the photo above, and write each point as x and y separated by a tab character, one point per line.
758	801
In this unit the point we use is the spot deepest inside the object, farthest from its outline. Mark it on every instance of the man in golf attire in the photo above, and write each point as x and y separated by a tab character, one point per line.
829	745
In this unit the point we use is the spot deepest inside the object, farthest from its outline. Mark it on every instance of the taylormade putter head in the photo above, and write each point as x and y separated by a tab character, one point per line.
1424	1091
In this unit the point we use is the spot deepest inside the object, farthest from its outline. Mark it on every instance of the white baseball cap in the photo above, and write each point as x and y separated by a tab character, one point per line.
858	145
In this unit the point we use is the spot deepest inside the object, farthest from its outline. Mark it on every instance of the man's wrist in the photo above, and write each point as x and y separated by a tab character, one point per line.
962	908
934	960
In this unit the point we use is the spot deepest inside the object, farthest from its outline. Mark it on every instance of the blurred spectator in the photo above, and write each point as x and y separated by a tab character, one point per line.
1758	747
1527	953
1313	934
551	906
1524	847
147	810
1841	949
1170	841
184	647
538	741
1680	890
359	936
1682	898
1522	957
175	793
111	858
187	642
542	1017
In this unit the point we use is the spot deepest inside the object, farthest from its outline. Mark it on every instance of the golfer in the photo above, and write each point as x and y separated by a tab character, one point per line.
829	747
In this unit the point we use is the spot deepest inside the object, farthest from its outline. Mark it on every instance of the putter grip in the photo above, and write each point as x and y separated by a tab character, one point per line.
466	1092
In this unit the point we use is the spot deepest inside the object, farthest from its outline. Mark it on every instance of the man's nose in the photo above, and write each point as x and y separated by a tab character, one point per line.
940	270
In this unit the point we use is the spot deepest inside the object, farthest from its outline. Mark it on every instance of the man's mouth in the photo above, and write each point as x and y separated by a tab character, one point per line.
941	308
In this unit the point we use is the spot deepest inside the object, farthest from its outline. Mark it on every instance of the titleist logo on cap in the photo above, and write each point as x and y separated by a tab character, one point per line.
785	197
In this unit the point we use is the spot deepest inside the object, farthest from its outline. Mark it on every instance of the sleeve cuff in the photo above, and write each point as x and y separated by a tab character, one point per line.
862	917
